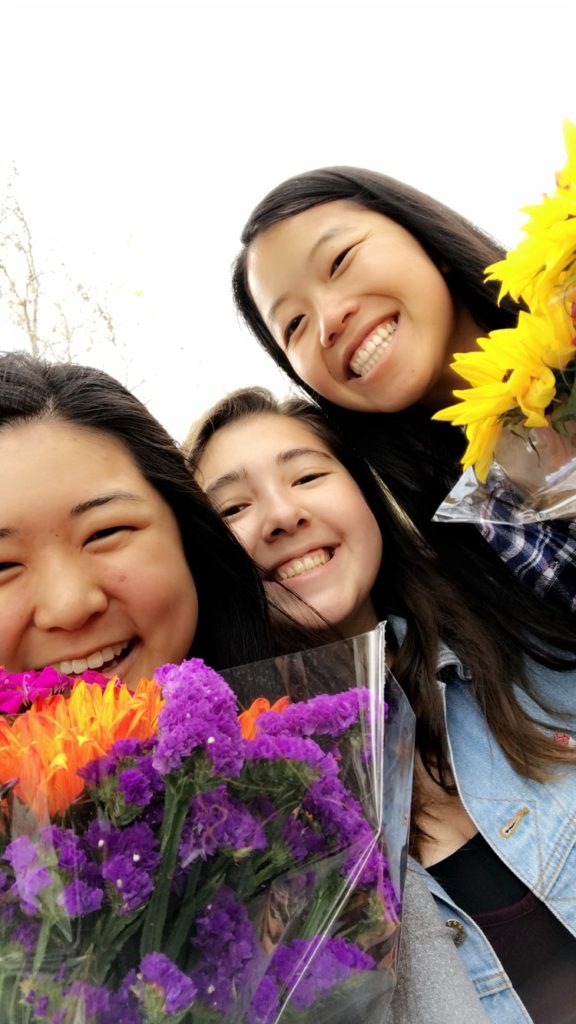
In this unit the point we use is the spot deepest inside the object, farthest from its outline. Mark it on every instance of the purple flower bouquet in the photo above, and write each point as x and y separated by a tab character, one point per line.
199	876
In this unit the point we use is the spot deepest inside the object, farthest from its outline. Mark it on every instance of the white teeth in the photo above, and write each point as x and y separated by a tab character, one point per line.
95	660
302	565
366	357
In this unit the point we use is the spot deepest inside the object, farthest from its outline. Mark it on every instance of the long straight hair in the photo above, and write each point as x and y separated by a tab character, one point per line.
233	622
412	584
418	459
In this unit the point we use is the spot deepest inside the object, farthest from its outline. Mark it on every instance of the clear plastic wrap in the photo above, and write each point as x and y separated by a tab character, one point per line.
532	480
519	408
213	868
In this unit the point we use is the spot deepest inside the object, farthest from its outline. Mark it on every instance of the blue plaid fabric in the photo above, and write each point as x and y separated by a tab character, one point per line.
543	555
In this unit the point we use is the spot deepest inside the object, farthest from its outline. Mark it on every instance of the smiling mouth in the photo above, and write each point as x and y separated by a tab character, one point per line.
104	660
300	566
369	353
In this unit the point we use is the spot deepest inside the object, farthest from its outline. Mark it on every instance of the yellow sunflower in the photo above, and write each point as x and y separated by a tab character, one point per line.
511	373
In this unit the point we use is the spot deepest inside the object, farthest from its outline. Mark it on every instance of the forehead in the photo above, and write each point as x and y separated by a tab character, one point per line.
254	439
302	228
57	450
288	247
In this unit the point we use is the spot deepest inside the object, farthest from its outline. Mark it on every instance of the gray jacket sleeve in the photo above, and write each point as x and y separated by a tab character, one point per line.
433	987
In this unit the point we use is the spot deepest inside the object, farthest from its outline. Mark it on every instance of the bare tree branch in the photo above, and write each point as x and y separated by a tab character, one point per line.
60	319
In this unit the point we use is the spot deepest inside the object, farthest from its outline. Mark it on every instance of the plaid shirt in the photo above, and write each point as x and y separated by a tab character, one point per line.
543	554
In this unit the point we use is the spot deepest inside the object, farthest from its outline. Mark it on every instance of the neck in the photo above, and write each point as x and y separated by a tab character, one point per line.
466	335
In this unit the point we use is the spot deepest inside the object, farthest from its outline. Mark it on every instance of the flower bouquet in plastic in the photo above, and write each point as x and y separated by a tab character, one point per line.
519	411
166	858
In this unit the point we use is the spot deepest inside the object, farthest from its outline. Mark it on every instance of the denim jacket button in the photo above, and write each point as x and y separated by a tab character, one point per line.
458	931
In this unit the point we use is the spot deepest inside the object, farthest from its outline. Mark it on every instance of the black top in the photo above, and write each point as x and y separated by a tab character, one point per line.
537	952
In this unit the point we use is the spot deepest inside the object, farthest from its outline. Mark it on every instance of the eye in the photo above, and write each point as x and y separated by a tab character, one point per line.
339	259
309	477
232	510
108	531
6	566
292	327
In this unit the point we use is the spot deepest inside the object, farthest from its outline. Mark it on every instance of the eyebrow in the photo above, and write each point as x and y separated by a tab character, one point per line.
103	499
338	229
237	475
82	507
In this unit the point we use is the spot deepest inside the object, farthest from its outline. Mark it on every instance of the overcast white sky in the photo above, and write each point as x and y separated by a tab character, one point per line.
145	133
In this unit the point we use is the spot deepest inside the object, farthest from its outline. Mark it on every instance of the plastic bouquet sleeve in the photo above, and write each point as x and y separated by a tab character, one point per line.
205	850
519	409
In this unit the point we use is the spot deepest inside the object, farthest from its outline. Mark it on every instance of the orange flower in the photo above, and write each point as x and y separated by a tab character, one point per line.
45	746
248	718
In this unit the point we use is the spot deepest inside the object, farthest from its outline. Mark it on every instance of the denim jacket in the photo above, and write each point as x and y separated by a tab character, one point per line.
530	825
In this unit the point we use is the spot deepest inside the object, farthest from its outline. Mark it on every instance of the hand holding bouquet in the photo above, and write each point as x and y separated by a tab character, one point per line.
157	866
519	411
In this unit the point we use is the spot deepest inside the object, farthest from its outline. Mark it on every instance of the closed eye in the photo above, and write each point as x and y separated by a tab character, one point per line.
6	566
108	531
308	478
292	327
232	510
339	259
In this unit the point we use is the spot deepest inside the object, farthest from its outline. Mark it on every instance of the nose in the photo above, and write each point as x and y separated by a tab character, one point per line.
282	516
67	598
334	317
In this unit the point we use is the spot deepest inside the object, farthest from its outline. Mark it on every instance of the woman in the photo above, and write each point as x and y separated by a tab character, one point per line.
362	288
493	819
110	556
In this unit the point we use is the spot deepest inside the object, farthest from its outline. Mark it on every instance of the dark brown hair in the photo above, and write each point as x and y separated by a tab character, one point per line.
411	583
233	621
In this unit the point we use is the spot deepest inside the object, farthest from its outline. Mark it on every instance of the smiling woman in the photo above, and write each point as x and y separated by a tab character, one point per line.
110	556
299	513
495	707
362	289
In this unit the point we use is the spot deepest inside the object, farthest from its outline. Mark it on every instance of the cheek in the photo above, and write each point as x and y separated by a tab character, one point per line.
371	547
245	534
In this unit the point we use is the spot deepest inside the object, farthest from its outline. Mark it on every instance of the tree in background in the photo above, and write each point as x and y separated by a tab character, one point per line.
61	318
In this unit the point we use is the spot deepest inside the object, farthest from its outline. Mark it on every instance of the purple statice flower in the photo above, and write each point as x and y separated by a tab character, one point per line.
200	712
131	883
96	1001
137	840
338	814
26	935
138	780
310	967
217	821
7	914
21	853
99	834
290	748
129	860
179	990
301	840
68	847
31	876
80	898
324	715
339	817
135	787
265	1005
125	1003
98	770
230	952
366	849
